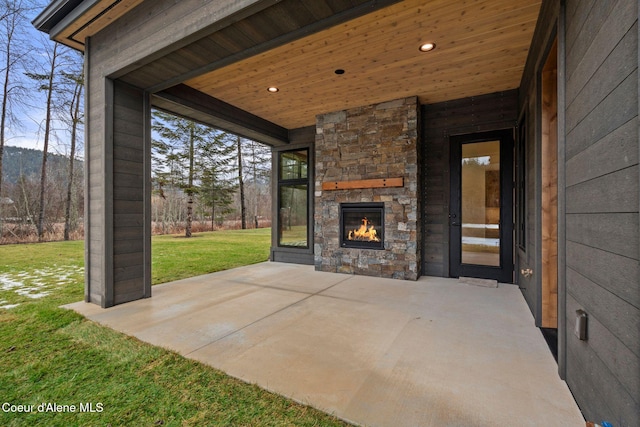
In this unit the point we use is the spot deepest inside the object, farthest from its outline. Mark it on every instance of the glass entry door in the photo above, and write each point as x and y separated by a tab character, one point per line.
480	218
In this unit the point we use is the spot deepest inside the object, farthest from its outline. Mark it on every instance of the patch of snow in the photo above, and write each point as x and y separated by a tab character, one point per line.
37	283
8	306
7	284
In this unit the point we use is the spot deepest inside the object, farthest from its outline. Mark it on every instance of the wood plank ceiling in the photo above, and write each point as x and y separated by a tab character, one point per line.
481	47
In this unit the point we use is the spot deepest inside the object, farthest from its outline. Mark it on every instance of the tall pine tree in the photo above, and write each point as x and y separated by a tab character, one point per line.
218	182
195	159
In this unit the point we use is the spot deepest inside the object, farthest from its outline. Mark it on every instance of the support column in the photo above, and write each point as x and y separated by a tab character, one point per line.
118	227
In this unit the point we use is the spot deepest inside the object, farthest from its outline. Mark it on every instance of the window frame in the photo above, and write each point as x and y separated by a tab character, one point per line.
292	182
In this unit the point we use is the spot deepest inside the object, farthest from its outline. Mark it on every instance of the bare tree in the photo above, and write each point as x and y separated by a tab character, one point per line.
190	189
13	17
75	119
257	167
243	208
46	84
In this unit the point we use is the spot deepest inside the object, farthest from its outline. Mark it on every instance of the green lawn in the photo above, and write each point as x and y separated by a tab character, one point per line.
176	257
50	356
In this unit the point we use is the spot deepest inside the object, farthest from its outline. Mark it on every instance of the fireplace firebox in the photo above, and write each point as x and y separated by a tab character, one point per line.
362	225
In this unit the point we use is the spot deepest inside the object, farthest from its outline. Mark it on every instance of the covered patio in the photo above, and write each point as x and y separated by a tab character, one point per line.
372	351
354	95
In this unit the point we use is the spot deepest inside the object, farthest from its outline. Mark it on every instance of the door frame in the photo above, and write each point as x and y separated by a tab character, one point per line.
503	273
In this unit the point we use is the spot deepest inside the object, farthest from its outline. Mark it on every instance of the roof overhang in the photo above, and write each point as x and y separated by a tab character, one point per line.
70	22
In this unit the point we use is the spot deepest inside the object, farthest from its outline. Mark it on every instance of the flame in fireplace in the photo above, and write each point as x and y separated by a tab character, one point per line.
366	232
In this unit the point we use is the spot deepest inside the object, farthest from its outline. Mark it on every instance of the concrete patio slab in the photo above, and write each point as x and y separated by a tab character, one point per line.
372	351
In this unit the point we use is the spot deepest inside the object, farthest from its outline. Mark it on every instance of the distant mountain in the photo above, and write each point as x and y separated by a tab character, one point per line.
28	162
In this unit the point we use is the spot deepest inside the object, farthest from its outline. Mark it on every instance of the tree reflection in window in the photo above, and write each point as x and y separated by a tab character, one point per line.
293	199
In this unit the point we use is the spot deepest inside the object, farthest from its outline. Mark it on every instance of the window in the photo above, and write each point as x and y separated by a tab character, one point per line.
293	165
293	198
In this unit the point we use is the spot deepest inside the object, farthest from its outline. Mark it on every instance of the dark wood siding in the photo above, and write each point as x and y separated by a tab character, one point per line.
117	260
528	258
130	40
97	265
129	178
602	200
439	122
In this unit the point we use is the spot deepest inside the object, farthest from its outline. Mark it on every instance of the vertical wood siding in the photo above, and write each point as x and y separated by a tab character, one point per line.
602	200
439	122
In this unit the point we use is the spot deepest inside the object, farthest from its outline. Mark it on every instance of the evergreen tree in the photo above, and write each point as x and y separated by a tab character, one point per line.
176	147
194	158
218	184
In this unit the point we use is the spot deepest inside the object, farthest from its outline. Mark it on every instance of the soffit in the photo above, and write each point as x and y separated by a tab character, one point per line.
482	47
93	19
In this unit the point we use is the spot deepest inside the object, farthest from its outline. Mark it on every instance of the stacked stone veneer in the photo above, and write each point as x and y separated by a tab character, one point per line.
377	141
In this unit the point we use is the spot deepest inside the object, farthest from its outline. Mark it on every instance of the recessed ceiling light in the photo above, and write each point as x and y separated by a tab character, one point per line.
273	89
427	47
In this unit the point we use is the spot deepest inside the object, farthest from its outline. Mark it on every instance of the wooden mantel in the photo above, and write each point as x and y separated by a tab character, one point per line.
363	183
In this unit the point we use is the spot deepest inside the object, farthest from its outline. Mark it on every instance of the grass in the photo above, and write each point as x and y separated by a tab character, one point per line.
176	257
53	356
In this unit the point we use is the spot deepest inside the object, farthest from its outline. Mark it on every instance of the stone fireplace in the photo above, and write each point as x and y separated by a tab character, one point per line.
367	158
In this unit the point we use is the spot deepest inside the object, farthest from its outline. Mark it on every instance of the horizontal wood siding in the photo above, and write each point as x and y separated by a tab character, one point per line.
155	25
117	243
129	239
291	256
439	122
98	210
602	200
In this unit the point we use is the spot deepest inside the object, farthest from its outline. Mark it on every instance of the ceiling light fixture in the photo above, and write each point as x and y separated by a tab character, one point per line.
427	47
273	89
